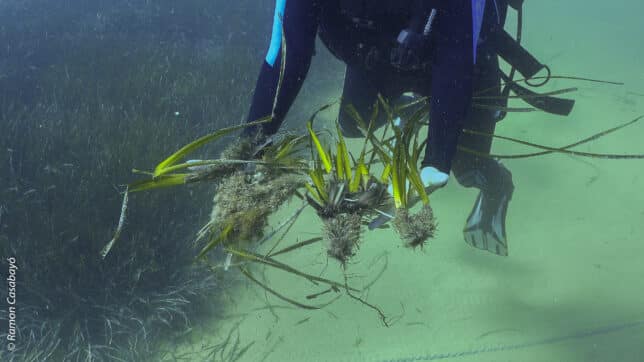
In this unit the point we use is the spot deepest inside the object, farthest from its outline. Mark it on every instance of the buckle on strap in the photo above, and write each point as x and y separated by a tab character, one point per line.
363	23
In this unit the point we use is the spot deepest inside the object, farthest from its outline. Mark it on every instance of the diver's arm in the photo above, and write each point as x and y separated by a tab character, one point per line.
451	88
298	19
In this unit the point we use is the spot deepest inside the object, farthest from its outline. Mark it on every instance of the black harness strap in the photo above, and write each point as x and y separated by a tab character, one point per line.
554	105
521	60
515	4
516	55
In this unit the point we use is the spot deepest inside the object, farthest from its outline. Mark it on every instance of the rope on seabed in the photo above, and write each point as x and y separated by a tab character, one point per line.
511	347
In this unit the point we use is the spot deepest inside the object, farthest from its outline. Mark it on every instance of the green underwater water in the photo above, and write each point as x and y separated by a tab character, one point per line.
572	287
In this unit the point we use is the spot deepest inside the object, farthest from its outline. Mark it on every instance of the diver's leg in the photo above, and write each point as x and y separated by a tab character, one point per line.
485	227
361	93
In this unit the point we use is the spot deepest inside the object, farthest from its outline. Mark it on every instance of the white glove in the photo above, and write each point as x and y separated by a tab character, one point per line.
431	177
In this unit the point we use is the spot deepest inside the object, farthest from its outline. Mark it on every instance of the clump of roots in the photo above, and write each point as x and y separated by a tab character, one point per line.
415	229
342	212
341	200
246	200
242	149
233	158
343	234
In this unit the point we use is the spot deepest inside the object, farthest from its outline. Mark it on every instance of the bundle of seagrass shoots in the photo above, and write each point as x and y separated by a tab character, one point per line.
248	191
341	188
343	195
400	155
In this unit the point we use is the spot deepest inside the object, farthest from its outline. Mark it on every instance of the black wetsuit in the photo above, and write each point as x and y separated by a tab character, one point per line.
459	64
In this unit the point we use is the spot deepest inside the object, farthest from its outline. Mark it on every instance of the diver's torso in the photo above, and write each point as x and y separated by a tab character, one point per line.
363	32
354	29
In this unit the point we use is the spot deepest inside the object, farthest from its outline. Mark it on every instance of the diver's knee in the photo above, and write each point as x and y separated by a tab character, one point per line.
468	177
483	174
464	172
349	127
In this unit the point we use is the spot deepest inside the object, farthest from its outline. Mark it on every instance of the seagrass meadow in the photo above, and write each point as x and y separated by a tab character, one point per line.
90	90
138	227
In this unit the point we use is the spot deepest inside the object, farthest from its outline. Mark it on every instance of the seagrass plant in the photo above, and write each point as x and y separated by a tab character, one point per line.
343	193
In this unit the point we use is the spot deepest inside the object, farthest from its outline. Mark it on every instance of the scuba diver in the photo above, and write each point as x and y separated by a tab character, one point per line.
447	50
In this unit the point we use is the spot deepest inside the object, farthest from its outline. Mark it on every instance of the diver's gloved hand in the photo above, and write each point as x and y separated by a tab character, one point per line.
410	50
431	177
248	146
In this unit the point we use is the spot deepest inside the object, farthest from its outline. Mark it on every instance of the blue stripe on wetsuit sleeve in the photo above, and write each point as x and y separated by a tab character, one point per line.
276	36
478	9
